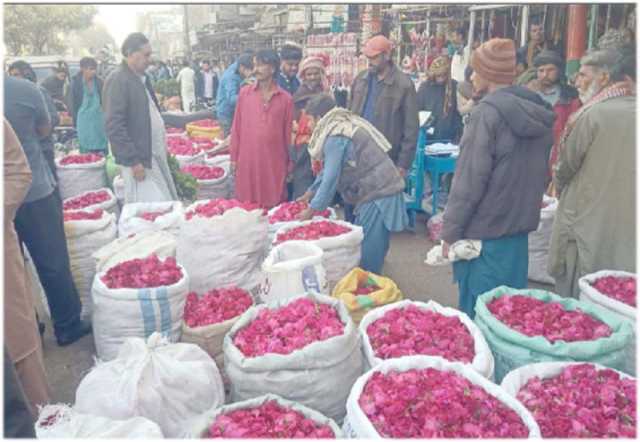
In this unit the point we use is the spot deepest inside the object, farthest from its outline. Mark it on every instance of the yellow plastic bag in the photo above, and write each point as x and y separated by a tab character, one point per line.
204	132
359	305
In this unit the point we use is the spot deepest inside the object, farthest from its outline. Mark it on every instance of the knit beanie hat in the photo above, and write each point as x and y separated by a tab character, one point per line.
495	60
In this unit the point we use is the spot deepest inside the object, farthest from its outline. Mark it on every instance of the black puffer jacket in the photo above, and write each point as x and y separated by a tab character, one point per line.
500	177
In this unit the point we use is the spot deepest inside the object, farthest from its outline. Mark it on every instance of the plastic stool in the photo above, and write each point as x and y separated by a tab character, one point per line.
437	166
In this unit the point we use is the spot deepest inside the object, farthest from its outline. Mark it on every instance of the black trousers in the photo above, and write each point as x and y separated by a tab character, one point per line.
40	227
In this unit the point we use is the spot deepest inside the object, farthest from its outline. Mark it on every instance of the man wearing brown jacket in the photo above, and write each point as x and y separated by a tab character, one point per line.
386	97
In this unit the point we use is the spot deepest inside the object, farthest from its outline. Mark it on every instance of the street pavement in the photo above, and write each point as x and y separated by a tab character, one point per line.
66	366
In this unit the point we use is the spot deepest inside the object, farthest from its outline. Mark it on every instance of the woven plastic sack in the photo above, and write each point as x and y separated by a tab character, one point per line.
60	421
85	237
516	379
118	188
275	227
75	179
483	360
214	188
206	132
110	205
224	250
169	384
184	160
359	426
119	314
341	253
139	245
588	293
318	376
539	242
210	338
201	430
291	269
130	221
512	349
360	305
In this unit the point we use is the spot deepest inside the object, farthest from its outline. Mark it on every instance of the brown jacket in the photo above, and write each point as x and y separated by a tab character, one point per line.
396	112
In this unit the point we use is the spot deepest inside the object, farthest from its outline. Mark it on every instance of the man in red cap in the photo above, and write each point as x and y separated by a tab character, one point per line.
386	97
500	176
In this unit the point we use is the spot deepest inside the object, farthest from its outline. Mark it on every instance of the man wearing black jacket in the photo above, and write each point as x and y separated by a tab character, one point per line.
206	83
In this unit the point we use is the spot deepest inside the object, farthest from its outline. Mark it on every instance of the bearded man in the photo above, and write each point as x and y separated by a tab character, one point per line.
595	224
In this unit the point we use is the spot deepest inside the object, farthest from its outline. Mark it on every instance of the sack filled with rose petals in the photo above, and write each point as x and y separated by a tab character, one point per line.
523	326
305	349
79	173
150	217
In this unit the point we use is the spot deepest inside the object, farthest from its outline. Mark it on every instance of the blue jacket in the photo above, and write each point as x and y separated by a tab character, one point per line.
227	95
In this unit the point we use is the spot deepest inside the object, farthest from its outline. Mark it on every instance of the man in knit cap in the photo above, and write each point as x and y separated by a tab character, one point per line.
500	177
554	90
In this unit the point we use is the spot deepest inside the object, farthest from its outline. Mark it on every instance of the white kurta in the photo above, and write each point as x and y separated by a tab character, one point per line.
158	183
186	78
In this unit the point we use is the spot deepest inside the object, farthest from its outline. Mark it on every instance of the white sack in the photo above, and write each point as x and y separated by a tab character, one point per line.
341	253
118	188
85	237
201	430
214	188
539	242
170	384
74	179
275	227
224	250
590	294
516	379
184	160
131	223
361	427
482	362
119	314
139	245
110	205
291	269
318	376
70	424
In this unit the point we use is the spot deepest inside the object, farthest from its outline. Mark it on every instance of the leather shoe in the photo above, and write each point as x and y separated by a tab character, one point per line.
72	334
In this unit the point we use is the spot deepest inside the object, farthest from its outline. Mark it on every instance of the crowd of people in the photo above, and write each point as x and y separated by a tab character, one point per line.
290	141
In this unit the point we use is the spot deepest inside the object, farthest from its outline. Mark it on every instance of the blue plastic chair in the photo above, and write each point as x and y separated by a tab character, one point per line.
435	165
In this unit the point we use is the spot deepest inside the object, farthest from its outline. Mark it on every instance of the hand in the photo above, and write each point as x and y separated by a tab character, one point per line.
306	197
138	172
306	214
445	250
403	172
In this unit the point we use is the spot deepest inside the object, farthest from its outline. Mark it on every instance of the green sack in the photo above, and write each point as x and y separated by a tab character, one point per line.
512	349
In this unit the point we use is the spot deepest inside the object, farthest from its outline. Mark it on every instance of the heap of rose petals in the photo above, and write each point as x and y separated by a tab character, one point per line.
621	289
86	200
216	306
313	231
430	403
289	328
80	215
143	273
205	123
289	211
582	401
202	172
268	421
415	331
174	130
204	143
217	207
85	158
181	146
551	320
